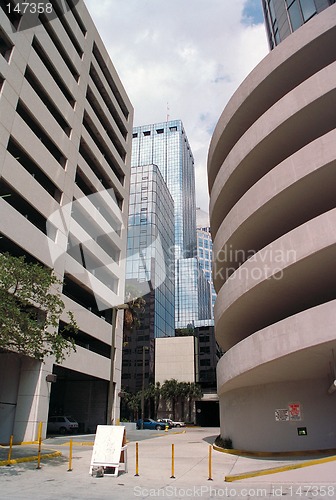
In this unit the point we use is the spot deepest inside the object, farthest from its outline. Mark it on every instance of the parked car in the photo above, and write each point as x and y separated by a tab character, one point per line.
62	424
171	423
166	421
149	423
179	424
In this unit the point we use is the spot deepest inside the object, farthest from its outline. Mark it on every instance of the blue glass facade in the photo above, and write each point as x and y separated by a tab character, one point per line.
204	251
149	264
166	145
282	17
192	295
149	271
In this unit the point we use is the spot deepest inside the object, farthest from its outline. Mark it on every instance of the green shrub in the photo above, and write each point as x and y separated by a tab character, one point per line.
224	442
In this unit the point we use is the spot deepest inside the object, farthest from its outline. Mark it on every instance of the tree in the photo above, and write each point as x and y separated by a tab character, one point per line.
153	393
134	307
133	403
170	390
30	308
194	392
184	392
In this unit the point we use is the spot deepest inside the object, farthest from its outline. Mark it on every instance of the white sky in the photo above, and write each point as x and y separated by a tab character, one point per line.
191	54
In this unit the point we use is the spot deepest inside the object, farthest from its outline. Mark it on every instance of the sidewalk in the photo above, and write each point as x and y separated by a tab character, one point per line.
53	481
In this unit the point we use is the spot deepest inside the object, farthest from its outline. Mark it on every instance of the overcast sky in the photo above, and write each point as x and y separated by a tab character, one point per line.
184	59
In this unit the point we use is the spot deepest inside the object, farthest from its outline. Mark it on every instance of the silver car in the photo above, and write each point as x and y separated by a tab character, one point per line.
62	424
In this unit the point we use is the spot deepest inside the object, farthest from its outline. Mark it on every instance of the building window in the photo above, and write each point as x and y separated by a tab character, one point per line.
160	131
308	9
295	15
147	132
135	135
173	129
5	46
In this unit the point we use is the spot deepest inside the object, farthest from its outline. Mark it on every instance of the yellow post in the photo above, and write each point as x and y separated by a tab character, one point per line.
39	431
173	465
210	463
70	456
166	428
10	449
39	454
136	459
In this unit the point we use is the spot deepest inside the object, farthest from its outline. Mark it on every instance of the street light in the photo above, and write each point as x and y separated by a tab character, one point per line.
144	348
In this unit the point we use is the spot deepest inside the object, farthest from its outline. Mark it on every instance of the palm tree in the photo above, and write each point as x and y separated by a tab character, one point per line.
184	392
134	307
133	403
170	391
195	392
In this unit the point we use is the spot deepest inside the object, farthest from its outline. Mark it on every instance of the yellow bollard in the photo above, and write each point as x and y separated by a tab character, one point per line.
39	454
70	456
136	459
173	464
210	463
10	449
39	432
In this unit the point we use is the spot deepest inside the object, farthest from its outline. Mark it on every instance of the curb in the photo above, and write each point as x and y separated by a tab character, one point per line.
30	459
272	454
274	470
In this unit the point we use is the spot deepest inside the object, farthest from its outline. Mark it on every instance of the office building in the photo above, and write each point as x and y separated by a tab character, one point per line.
272	175
209	352
66	130
166	145
149	272
204	250
283	17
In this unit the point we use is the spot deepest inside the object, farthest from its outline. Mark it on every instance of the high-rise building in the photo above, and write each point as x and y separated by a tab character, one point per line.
166	145
283	17
66	130
204	250
272	180
149	272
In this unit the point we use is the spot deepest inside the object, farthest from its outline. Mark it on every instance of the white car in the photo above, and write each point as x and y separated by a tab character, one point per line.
62	424
179	424
171	423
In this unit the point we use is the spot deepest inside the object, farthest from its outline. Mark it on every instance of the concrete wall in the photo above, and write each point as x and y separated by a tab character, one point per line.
83	70
272	179
175	358
243	410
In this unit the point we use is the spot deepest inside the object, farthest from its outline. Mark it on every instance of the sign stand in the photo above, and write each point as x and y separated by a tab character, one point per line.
109	450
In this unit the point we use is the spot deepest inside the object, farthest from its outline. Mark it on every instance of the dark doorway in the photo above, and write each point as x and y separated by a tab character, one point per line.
207	413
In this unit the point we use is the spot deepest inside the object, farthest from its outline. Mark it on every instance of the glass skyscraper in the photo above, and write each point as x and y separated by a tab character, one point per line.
166	145
204	251
149	272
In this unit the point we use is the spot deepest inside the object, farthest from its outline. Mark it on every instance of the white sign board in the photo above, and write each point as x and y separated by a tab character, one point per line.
108	446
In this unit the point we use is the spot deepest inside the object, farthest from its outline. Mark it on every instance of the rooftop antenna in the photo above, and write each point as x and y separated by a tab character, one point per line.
167	111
